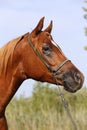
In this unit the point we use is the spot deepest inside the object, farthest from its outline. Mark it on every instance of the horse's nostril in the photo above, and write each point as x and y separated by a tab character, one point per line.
77	77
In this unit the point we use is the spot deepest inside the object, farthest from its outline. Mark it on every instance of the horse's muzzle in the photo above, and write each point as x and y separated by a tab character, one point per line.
72	81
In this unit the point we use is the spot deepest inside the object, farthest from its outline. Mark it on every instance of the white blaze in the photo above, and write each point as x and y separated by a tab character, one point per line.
54	43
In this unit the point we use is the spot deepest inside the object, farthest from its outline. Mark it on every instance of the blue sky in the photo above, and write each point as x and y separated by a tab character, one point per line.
21	16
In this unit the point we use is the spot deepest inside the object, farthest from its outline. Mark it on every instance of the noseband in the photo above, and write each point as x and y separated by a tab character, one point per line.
42	59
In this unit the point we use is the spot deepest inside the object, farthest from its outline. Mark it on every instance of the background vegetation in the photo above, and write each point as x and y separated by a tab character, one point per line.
45	111
85	16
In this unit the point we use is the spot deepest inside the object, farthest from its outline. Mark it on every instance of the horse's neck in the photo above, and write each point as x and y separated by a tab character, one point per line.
11	76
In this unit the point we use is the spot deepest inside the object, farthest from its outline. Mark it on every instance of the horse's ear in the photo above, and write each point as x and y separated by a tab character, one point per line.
49	28
39	27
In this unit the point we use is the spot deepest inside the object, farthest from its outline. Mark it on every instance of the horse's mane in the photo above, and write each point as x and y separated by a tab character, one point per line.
6	52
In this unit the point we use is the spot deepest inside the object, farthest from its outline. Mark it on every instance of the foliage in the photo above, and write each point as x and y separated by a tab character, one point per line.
85	47
45	111
85	16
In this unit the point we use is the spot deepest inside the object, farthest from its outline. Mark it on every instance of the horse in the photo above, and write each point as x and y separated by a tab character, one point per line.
34	55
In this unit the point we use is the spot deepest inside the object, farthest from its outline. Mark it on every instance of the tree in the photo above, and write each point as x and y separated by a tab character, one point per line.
85	16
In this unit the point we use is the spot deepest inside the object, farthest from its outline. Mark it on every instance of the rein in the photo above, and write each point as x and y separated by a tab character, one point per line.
61	94
54	71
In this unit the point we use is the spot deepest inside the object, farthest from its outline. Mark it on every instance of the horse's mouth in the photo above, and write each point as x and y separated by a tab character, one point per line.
71	81
68	87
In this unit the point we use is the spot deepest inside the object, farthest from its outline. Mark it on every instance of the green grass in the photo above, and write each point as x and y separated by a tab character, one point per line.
44	110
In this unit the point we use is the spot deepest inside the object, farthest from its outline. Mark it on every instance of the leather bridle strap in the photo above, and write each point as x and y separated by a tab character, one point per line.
54	71
42	59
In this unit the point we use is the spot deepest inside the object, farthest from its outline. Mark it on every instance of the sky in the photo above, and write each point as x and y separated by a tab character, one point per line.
21	16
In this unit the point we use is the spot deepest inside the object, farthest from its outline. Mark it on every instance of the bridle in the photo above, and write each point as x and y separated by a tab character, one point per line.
54	71
42	59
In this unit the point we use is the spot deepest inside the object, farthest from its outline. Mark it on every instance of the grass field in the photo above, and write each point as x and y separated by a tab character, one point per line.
44	110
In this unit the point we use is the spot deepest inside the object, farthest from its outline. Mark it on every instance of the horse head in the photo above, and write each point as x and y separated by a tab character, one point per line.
48	60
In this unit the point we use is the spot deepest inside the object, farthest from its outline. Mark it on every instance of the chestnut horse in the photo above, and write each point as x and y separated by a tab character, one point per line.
35	56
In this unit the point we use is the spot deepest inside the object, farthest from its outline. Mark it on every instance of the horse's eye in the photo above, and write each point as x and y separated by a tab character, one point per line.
46	49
